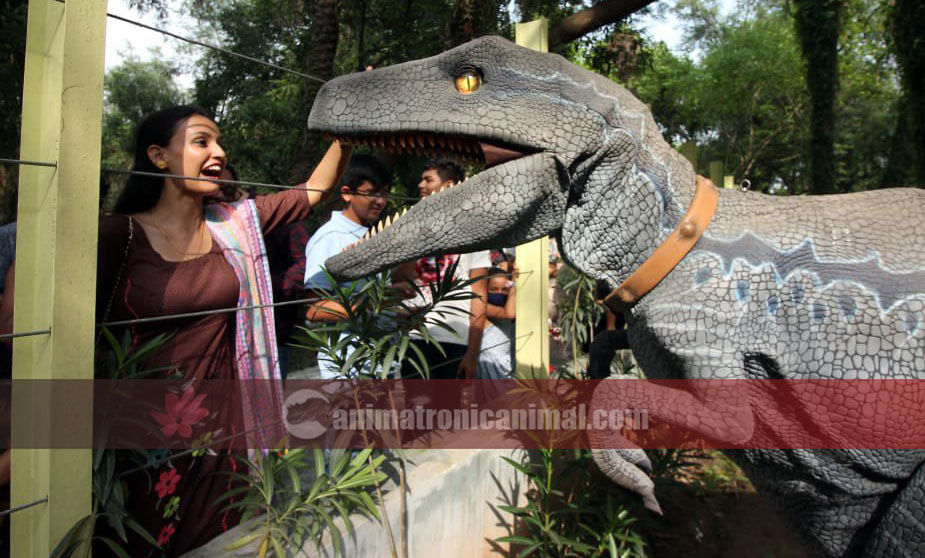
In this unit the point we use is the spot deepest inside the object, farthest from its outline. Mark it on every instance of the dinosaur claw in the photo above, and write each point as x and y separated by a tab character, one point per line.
624	467
651	504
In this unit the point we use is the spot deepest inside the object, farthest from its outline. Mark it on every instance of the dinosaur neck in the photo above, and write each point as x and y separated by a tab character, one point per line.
625	214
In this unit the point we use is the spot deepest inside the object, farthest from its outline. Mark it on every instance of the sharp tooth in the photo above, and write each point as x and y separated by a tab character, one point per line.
401	140
442	141
431	141
388	222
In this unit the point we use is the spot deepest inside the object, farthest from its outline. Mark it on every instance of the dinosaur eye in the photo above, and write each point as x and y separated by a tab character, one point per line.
468	81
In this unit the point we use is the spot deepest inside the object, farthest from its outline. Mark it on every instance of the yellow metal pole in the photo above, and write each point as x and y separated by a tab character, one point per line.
729	181
716	172
56	259
532	334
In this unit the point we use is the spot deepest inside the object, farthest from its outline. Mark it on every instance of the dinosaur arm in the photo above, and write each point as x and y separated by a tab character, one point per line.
719	412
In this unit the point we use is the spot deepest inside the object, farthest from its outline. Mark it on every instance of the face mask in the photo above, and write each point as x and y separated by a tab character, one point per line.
497	299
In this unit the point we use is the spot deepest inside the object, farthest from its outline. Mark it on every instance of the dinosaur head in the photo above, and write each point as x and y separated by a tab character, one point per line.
539	124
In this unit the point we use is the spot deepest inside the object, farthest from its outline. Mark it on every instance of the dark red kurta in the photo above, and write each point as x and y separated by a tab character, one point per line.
176	504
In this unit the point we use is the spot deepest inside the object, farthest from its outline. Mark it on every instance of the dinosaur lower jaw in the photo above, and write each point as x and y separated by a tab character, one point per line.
505	205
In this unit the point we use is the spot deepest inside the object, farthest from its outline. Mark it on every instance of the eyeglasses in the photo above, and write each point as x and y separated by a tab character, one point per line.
374	194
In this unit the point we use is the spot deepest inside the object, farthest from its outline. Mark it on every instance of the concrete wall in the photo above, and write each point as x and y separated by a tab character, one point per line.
449	509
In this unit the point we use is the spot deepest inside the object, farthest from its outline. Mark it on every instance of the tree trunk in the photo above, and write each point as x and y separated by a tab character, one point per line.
593	18
470	19
324	36
908	27
817	24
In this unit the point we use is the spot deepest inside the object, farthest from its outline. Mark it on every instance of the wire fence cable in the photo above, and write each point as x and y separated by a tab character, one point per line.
25	334
30	163
24	506
248	183
216	48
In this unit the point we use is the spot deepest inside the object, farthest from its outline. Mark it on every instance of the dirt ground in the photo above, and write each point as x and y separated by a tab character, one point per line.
712	510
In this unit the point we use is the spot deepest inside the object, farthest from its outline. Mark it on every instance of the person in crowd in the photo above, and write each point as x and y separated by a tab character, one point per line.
364	191
610	336
496	361
465	318
164	251
285	248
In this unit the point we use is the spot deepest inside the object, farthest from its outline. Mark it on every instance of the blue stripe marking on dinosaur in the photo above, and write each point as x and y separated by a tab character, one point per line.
889	287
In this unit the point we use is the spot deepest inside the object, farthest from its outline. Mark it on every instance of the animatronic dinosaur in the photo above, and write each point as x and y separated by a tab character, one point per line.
774	287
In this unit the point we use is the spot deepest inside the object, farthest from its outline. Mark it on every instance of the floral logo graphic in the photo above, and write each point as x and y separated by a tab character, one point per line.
181	413
166	533
167	483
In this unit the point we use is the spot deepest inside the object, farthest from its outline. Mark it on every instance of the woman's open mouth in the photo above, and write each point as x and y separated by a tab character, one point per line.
213	171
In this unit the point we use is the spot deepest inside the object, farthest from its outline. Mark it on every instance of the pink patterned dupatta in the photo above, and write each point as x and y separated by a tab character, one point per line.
236	227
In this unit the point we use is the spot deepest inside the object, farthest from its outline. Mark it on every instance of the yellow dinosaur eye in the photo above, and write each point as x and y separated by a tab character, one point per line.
468	82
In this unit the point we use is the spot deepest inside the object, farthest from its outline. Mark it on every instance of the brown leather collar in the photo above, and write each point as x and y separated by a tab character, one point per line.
670	252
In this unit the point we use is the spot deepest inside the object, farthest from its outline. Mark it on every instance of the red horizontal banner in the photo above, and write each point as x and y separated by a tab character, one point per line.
500	414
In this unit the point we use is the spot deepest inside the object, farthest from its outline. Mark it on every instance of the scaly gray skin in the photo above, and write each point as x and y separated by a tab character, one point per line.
777	287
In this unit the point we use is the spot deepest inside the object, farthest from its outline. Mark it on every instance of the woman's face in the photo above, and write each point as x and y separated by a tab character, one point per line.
194	150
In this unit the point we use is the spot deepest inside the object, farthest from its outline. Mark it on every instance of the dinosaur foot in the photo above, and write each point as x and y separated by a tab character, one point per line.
624	466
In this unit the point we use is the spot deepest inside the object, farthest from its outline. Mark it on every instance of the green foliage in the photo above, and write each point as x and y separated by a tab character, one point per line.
293	510
133	90
570	510
907	23
718	473
374	337
743	101
868	104
669	463
109	490
577	309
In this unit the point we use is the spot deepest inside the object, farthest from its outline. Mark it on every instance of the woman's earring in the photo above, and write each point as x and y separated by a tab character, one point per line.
162	164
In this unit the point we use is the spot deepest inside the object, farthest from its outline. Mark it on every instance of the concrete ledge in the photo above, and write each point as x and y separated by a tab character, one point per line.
450	513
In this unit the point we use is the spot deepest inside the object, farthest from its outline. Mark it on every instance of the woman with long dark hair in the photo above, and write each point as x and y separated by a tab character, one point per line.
163	252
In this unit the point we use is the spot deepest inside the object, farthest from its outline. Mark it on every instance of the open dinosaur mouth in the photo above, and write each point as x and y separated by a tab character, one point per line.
465	149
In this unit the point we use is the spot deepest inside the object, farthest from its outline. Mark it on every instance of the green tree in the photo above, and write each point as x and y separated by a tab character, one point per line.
743	101
818	25
907	22
869	100
132	90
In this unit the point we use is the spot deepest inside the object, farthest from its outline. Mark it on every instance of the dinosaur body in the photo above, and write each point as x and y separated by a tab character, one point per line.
777	287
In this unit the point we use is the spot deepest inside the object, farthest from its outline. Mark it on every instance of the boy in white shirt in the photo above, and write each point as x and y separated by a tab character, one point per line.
465	317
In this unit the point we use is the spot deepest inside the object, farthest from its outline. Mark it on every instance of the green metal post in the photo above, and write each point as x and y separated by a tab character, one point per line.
56	259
